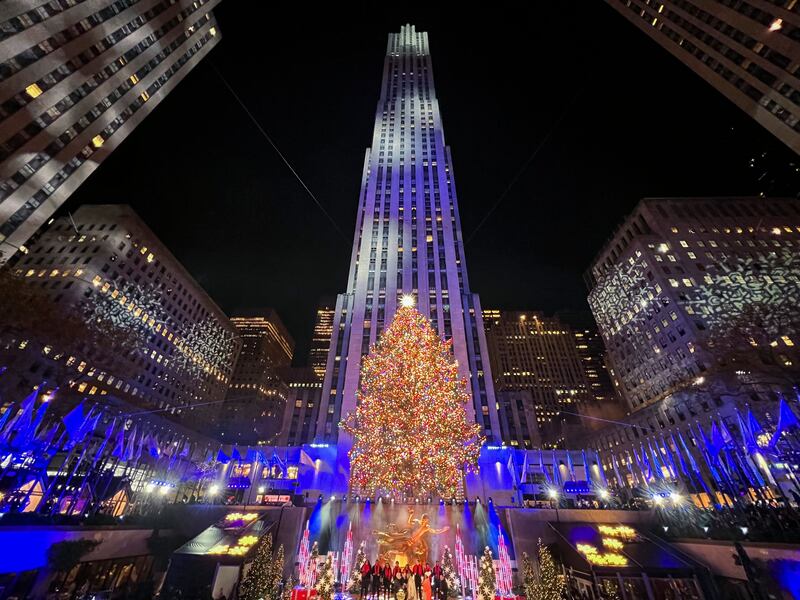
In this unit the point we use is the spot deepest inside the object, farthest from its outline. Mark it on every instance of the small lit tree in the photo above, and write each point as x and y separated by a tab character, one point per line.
449	572
486	576
355	576
549	584
529	579
324	584
263	579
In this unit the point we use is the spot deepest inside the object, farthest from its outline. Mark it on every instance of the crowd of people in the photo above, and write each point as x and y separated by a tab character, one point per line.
382	581
755	522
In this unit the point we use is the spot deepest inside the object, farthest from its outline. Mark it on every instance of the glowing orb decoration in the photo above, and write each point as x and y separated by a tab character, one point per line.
407	301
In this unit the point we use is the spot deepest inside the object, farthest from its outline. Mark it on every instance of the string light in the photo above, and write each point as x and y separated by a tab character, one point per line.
411	435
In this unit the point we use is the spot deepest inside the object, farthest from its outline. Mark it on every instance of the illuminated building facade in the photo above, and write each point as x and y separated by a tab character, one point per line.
407	241
538	354
302	405
697	302
175	347
748	50
255	402
76	78
321	338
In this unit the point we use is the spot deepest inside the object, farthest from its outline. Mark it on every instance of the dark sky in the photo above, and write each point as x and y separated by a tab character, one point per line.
634	122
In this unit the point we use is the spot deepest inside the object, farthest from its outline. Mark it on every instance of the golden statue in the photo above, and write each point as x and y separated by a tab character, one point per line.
407	545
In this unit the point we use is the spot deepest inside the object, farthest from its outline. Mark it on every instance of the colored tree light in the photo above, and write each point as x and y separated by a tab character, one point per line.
410	430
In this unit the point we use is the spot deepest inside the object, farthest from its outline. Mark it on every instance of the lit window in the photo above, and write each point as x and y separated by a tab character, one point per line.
97	141
134	79
33	90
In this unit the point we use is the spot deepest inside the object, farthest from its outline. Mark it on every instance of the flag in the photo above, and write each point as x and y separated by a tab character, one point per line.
153	447
786	420
570	467
119	447
130	449
754	425
4	417
73	421
510	467
615	466
101	449
657	467
235	454
717	441
681	462
523	474
186	451
222	457
305	459
24	420
748	441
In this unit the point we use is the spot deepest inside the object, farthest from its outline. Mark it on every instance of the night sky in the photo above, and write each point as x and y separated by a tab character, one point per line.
626	120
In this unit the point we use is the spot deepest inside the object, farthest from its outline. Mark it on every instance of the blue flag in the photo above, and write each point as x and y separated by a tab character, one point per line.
222	457
235	454
73	421
119	447
786	420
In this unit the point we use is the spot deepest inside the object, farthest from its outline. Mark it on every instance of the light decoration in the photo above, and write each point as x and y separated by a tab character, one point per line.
612	544
606	559
622	532
504	583
411	406
242	546
237	519
302	559
346	558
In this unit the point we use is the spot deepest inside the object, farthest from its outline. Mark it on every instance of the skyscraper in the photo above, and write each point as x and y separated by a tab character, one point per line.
321	339
166	344
697	302
536	354
748	50
75	79
254	405
407	241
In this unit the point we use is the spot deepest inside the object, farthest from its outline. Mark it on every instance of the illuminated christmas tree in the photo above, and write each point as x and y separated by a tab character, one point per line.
449	572
410	430
324	584
529	579
263	579
550	583
355	575
486	576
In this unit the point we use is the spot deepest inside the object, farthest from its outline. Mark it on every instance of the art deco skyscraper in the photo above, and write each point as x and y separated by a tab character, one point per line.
76	77
407	242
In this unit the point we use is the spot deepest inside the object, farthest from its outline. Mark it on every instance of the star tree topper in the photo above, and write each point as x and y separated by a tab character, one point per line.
411	435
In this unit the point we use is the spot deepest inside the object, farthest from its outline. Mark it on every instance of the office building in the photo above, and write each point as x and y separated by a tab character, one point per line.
536	354
407	242
255	402
135	324
321	338
748	50
697	302
77	77
302	405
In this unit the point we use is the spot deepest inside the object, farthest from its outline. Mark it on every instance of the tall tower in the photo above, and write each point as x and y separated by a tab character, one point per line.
407	242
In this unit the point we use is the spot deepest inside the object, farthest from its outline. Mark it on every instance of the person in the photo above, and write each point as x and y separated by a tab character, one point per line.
396	569
411	588
437	576
387	580
426	587
418	580
443	589
377	578
366	576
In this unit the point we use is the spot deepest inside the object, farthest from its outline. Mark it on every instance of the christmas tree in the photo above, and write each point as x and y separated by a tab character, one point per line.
324	584
549	584
449	572
411	407
529	579
486	576
263	579
355	576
